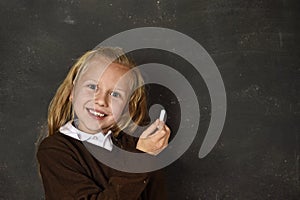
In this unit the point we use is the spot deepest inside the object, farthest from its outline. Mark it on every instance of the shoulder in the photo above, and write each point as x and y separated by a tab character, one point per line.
53	141
60	151
59	142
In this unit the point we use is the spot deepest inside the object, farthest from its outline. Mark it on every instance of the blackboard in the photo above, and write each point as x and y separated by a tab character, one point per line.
253	43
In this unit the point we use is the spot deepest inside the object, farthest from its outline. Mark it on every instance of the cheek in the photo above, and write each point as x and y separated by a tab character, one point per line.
118	107
80	101
82	96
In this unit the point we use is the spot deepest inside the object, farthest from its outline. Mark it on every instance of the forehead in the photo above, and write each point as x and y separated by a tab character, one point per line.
100	68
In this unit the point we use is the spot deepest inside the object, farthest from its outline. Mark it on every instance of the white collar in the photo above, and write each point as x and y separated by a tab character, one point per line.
98	139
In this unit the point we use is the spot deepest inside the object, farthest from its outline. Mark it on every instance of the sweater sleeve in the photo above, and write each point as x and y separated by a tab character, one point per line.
65	178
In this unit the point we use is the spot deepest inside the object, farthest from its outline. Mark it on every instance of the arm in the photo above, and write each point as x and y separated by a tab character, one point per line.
156	187
64	178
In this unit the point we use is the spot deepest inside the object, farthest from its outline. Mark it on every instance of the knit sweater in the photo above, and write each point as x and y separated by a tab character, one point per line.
69	171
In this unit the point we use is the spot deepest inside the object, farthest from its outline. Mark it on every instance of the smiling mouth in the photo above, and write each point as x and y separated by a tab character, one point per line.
96	113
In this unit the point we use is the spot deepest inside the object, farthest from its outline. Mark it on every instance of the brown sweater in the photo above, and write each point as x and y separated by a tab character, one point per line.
69	171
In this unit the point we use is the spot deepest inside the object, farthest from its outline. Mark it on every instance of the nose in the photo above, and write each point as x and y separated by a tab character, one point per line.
101	98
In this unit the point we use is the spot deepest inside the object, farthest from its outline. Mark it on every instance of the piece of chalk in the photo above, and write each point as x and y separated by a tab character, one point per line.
162	115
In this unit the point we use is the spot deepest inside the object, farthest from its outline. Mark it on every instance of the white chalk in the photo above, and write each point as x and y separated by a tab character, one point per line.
162	115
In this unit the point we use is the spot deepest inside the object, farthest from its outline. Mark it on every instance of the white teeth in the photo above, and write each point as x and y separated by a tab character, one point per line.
96	113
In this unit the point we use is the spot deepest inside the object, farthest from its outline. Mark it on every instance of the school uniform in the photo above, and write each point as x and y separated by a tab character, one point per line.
70	171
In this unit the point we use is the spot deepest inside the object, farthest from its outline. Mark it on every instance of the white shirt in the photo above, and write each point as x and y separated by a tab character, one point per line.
98	139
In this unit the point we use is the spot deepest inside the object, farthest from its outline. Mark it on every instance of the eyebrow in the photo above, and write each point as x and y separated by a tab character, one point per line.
119	89
115	88
90	80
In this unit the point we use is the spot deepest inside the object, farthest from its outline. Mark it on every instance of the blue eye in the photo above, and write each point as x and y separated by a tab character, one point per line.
92	86
115	94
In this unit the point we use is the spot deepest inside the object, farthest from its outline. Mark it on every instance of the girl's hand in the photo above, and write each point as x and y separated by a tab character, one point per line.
154	143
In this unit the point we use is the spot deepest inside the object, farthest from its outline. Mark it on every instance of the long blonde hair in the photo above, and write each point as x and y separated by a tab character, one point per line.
60	108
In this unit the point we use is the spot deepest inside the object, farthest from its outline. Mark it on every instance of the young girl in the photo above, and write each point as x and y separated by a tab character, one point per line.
95	103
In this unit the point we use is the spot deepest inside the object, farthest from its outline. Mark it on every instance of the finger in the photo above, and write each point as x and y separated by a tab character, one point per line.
156	152
150	129
158	135
168	131
160	125
163	132
165	139
158	147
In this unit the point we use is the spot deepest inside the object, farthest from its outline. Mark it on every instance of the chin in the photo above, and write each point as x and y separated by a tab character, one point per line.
93	128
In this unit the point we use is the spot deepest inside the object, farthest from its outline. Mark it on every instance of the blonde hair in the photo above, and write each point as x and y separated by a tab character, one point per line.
60	108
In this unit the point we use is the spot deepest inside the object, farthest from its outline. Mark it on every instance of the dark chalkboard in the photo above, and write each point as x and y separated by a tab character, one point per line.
255	45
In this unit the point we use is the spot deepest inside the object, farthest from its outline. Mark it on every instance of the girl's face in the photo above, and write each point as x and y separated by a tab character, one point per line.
100	95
